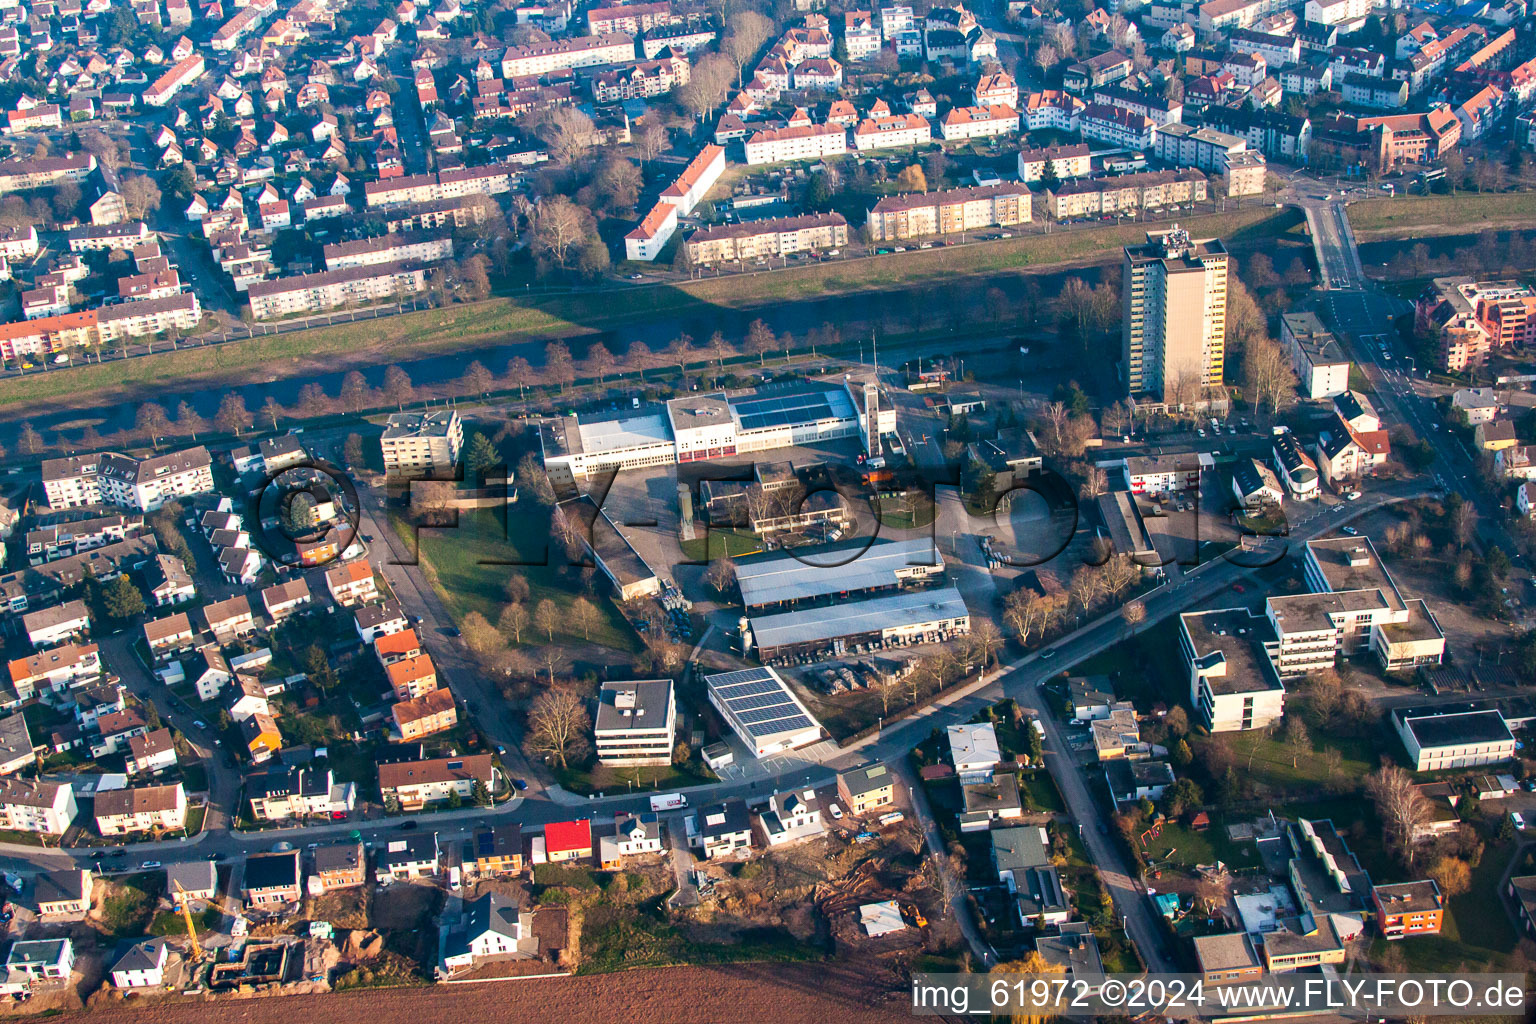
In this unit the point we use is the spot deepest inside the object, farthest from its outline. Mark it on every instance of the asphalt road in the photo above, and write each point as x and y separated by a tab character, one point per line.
1363	318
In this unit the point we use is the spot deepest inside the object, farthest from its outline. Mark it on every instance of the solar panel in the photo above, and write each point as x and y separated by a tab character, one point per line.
764	700
769	714
772	726
749	689
739	676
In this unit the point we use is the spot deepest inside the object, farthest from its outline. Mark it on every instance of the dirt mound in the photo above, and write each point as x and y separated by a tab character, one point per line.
363	945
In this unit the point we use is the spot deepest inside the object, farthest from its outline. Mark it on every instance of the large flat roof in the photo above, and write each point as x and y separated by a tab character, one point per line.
890	611
760	703
1434	727
845	568
1351	563
1237	637
627	432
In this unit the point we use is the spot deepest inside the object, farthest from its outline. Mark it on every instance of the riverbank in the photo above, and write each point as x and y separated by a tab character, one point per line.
1410	217
507	321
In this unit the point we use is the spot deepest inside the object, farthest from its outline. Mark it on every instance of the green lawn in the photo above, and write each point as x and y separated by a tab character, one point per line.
1268	761
469	565
170	922
907	512
1181	847
1041	790
605	779
131	903
1464	211
708	545
646	941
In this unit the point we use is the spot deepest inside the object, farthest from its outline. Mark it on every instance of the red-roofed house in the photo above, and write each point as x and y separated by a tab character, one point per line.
568	840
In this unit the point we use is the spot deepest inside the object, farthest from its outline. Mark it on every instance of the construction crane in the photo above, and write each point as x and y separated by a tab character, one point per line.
185	905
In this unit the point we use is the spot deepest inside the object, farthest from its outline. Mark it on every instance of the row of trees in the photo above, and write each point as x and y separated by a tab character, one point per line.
1030	614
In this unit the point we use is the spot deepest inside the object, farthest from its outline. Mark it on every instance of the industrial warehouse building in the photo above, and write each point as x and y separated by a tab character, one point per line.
759	707
861	566
716	425
890	620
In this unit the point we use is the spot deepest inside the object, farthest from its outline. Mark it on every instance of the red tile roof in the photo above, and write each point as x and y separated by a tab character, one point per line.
568	836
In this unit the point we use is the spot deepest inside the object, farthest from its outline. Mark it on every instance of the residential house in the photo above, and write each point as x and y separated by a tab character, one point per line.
65	893
376	620
416	784
352	584
193	880
31	805
41	960
973	750
568	840
432	712
996	799
142	965
722	829
339	866
271	879
866	789
261	737
282	794
792	817
414	856
499	850
147	809
1408	908
151	753
493	929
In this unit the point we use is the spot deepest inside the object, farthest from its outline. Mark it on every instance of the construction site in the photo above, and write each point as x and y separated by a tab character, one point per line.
818	892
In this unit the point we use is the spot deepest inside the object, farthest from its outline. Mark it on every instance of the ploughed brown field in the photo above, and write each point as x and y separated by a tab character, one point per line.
745	993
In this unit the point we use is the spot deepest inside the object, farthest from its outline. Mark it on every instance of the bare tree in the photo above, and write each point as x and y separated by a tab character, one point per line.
721	575
557	726
141	196
232	417
599	360
513	620
746	32
759	340
559	364
397	386
985	641
1297	738
547	617
1134	613
477	379
585	616
560	227
153	423
354	390
1400	805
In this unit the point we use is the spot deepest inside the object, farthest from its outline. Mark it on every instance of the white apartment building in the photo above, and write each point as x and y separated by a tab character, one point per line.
652	234
1052	110
1232	684
454	183
422	443
140	809
806	142
1068	161
560	54
1116	126
890	132
396	247
978	122
113	479
953	211
31	805
1184	145
1322	370
635	722
140	317
333	289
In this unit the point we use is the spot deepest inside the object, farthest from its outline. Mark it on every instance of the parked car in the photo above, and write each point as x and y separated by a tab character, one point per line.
520	784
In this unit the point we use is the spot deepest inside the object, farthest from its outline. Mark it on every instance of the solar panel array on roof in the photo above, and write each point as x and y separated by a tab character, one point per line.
759	701
795	407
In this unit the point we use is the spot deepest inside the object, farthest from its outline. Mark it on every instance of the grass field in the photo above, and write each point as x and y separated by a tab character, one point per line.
1268	761
1476	933
469	566
574	314
1461	213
